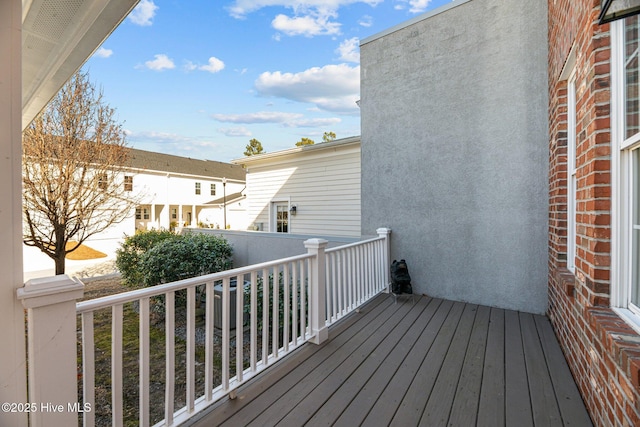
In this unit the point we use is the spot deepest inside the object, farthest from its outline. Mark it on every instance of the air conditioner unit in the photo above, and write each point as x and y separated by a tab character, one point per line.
217	304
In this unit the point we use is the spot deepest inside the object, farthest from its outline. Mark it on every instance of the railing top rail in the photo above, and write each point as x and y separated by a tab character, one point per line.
352	245
124	297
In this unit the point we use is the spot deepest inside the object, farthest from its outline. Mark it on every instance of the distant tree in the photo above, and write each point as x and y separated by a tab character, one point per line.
328	136
254	147
305	141
74	153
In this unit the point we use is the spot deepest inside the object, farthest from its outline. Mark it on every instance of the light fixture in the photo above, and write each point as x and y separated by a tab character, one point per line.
611	10
293	210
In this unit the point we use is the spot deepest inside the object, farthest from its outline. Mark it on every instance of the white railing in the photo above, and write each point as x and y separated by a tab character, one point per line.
355	274
278	306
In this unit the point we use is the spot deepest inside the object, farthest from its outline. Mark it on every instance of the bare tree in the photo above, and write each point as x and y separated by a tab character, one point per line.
73	171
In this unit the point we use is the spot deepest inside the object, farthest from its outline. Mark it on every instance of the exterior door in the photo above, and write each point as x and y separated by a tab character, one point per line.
280	217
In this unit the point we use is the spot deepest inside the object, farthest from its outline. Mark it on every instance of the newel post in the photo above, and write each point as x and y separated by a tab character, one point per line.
386	257
52	349
317	290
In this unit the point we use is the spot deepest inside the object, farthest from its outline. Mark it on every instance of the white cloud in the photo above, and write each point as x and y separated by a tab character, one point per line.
415	6
289	120
213	66
320	122
366	21
332	87
235	131
349	51
310	25
258	117
309	18
241	8
143	13
418	6
103	53
160	63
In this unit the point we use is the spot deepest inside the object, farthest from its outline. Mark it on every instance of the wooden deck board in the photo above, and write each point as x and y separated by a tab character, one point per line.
391	397
432	362
543	400
379	341
465	404
491	405
344	390
571	405
440	401
517	399
399	366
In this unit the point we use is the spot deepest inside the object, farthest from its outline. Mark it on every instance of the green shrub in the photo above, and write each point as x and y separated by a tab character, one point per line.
185	256
129	256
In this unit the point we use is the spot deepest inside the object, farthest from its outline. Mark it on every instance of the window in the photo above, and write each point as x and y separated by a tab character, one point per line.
103	181
213	189
280	217
145	213
571	172
174	213
625	169
197	188
138	213
128	183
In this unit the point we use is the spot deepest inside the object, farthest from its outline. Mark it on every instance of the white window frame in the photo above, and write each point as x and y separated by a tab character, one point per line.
273	225
622	149
571	171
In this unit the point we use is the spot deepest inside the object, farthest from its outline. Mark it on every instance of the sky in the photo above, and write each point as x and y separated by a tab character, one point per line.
201	78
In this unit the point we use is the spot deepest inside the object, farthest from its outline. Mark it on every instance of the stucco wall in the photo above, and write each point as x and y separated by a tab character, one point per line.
254	247
454	150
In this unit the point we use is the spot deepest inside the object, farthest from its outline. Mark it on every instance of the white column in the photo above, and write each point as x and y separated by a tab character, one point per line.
52	347
194	217
317	290
13	375
385	232
154	220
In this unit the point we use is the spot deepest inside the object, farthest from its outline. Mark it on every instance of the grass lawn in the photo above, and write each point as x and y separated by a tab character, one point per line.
83	252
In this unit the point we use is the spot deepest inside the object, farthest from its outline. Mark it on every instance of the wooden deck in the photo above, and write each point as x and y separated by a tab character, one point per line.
428	362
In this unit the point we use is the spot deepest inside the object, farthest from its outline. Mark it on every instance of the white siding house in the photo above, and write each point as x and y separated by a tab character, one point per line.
313	189
172	191
183	192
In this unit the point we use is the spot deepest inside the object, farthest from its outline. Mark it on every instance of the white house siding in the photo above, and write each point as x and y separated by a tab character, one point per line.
323	182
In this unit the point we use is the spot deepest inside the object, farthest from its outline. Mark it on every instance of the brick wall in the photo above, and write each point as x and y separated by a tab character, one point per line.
602	350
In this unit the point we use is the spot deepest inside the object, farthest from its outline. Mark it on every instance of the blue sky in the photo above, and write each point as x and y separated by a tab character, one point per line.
200	78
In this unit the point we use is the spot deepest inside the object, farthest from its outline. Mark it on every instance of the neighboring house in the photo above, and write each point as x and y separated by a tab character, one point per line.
313	189
179	191
173	192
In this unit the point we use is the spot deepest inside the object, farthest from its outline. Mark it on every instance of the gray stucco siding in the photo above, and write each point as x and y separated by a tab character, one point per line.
454	150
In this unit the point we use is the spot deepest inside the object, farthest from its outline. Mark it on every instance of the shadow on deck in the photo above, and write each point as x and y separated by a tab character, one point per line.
426	362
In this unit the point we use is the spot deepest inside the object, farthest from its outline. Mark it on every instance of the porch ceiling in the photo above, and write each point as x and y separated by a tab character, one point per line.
57	38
